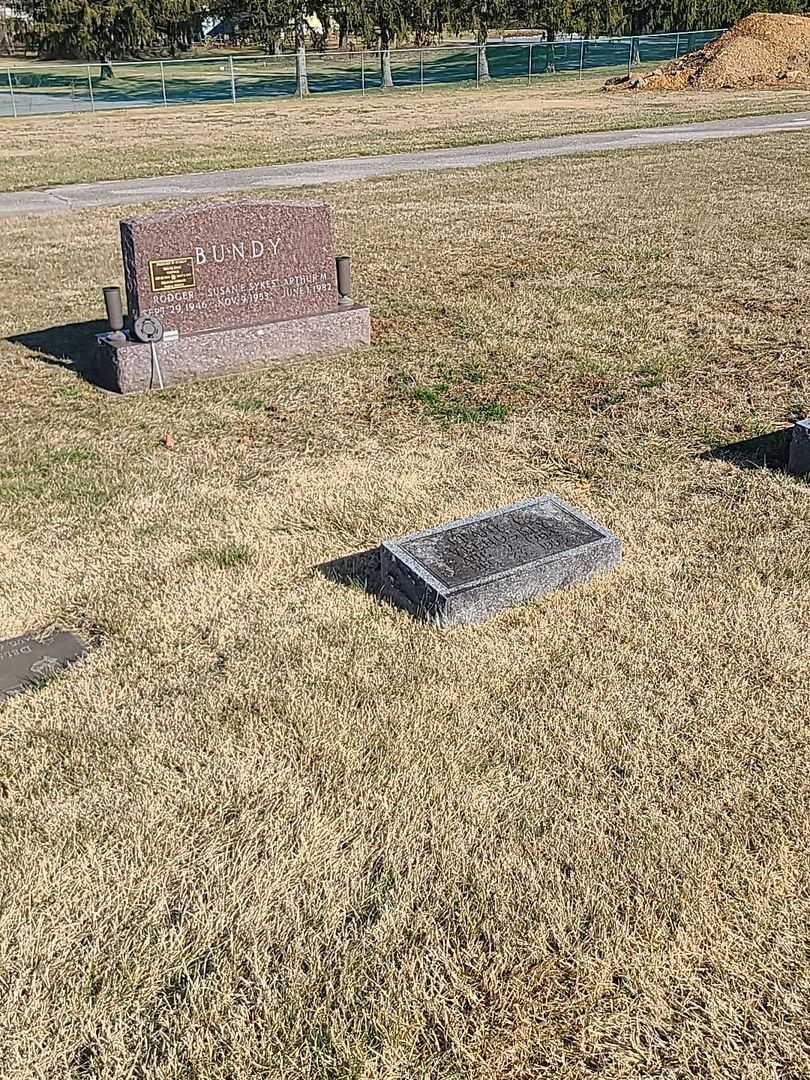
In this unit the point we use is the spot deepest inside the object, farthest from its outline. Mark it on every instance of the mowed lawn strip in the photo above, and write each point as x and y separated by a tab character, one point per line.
42	151
275	827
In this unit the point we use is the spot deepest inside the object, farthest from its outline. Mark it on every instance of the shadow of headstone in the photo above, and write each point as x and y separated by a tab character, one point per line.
361	569
71	346
769	451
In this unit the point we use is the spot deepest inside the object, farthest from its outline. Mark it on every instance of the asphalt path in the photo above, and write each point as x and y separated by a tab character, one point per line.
341	170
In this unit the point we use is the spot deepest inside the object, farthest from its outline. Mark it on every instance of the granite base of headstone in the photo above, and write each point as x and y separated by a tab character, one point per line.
799	458
27	661
129	368
470	569
234	286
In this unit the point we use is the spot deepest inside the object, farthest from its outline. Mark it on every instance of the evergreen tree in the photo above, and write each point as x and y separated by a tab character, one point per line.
347	15
178	23
103	30
87	29
480	16
384	20
266	21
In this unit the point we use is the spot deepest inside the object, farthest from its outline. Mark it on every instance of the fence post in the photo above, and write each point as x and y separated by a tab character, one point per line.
90	84
677	44
163	82
11	89
630	58
530	62
581	56
421	70
478	68
233	80
363	70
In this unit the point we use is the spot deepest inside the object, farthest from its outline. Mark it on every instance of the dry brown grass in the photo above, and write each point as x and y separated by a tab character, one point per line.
49	150
275	828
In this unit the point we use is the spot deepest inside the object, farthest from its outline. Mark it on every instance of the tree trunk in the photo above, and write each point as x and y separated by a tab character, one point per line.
483	62
386	78
301	82
551	34
278	42
343	31
5	36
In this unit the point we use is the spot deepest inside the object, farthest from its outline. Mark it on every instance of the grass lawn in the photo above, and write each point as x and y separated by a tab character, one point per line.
47	150
275	827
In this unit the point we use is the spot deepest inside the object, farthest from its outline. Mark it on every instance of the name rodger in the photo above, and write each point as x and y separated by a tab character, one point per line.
253	249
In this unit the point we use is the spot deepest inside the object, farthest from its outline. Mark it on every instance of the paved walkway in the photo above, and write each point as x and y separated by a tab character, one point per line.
339	170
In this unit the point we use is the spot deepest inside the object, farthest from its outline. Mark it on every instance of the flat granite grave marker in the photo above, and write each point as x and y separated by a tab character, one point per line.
467	570
26	661
233	284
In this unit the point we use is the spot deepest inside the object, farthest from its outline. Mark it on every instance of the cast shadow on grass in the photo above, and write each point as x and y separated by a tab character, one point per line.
360	569
71	346
363	570
769	451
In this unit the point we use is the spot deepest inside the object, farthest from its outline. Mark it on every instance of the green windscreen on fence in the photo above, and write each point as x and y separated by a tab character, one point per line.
27	90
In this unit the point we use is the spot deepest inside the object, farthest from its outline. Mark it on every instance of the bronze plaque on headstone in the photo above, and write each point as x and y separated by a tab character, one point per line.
230	264
166	275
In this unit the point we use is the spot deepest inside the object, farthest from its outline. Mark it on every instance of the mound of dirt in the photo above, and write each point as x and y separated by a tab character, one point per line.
760	50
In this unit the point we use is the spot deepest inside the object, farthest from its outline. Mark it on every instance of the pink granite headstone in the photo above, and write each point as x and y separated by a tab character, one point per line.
232	264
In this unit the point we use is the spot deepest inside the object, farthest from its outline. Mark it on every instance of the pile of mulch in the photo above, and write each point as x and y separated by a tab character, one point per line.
760	50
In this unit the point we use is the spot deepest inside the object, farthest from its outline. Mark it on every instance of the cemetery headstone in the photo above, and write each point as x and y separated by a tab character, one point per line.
231	284
28	660
467	570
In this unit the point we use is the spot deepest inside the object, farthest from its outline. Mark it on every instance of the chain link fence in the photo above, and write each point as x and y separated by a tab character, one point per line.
59	88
